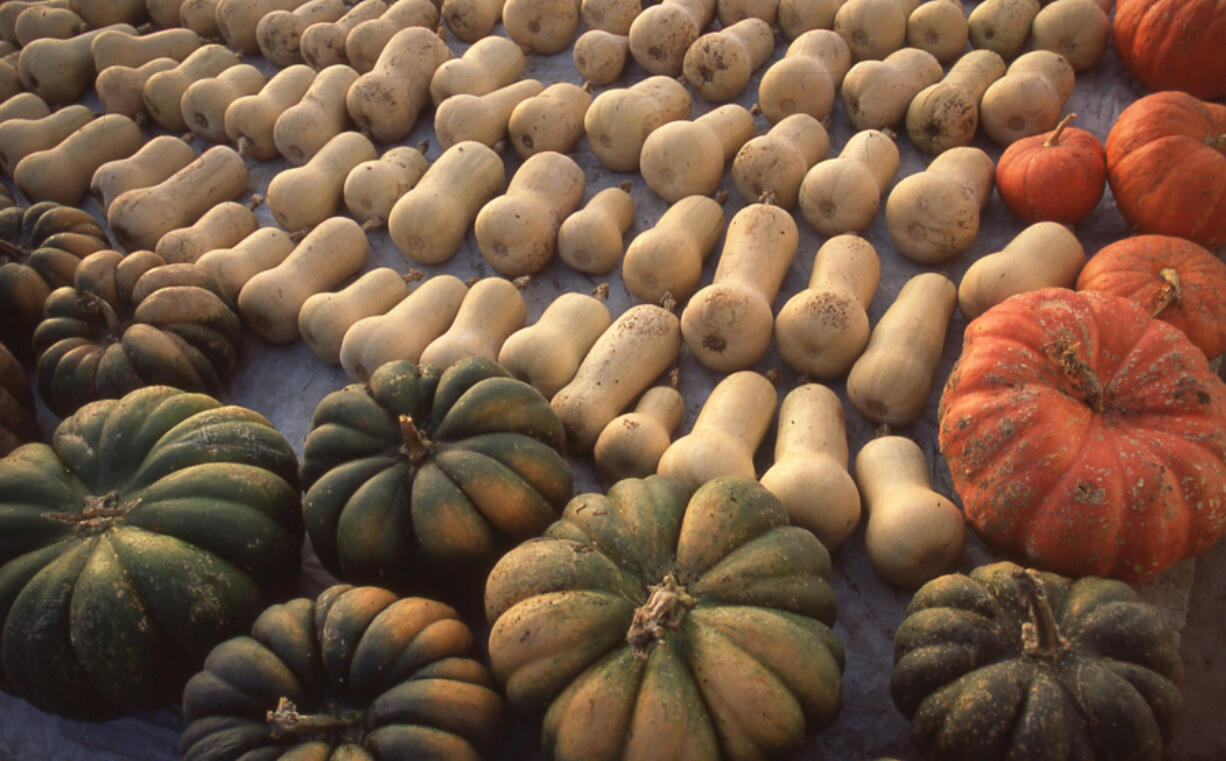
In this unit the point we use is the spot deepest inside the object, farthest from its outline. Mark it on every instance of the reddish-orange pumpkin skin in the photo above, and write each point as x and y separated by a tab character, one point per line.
1121	481
1061	182
1174	44
1166	163
1135	267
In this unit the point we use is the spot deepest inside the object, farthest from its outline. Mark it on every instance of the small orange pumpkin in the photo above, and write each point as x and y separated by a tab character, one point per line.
1171	278
1174	44
1058	176
1166	163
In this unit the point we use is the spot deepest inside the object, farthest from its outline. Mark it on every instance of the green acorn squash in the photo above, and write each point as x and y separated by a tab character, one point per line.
356	674
418	470
17	423
1015	664
150	529
133	321
649	626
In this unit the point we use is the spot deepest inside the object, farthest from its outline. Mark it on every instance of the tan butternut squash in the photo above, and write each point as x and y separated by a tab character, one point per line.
718	64
946	115
600	56
940	28
156	160
1079	30
47	22
731	11
23	105
329	254
164	13
249	120
223	226
304	128
429	222
366	41
1027	100
843	194
488	64
233	267
821	330
302	197
278	34
10	80
619	120
729	429
372	187
664	262
163	92
204	102
660	35
324	318
10	10
932	216
62	173
631	445
200	16
21	137
322	44
237	21
796	17
405	330
117	48
591	239
1043	255
807	78
640	345
551	120
914	534
891	381
547	353
770	168
684	158
492	310
543	27
728	324
61	71
809	475
876	94
873	28
613	16
482	118
471	20
386	101
98	14
121	88
1002	26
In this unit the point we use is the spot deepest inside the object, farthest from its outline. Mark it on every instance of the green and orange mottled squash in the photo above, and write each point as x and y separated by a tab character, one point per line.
1085	436
132	321
649	624
151	528
423	476
356	674
17	423
1009	663
40	247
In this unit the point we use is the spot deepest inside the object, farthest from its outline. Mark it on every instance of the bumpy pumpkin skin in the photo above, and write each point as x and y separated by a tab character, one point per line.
370	676
150	529
40	247
1173	279
1085	436
649	627
133	321
17	423
1174	44
984	676
482	472
1166	164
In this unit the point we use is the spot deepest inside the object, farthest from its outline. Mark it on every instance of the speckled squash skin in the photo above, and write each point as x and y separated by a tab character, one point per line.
133	321
1086	437
1008	663
150	528
368	676
422	469
648	626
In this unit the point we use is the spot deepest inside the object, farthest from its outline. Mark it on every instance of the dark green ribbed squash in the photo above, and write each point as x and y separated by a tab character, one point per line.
150	529
423	477
354	675
1020	665
653	625
17	423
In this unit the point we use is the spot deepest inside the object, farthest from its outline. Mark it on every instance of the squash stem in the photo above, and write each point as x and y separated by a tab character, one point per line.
97	304
1041	635
1172	292
287	722
11	252
1217	143
1079	372
1054	138
416	446
664	609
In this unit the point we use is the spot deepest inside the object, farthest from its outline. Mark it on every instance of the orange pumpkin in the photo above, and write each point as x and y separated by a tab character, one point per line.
1086	437
1166	163
1174	44
1172	279
1058	176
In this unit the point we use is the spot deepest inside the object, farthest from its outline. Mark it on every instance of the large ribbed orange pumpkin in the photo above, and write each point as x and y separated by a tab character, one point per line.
1174	44
1085	436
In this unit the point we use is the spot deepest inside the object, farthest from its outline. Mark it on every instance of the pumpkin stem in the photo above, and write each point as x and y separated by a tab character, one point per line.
287	722
416	446
1172	291
11	252
1217	143
1078	371
664	609
97	511
1041	635
1054	138
98	304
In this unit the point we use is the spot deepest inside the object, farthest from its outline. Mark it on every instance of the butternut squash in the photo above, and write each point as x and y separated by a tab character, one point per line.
492	310
796	17
471	20
278	34
324	318
204	102
118	48
591	239
405	330
664	262
429	222
329	254
660	35
914	534
946	115
62	173
386	101
932	216
1002	26
223	226
640	345
600	56
728	324
304	128
98	14
809	475
631	445
366	41
873	28
517	232
876	94
770	168
940	28
551	120
843	194
23	105
718	64
731	11
482	118
807	78
164	13
619	120
163	92
233	267
156	160
1043	255
821	330
729	429
1079	30
613	16
488	64
121	88
9	11
305	196
547	353
249	120
543	27
200	16
21	137
891	381
1027	100
61	71
322	44
684	158
47	22
372	187
237	21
